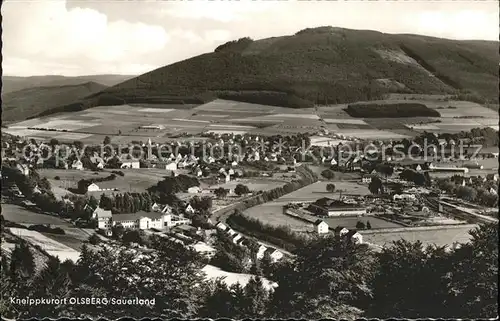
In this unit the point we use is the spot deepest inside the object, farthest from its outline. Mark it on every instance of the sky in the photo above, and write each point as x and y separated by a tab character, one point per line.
71	38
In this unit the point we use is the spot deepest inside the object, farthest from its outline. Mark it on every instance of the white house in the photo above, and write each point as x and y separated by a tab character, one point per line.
93	188
77	165
221	226
341	231
237	238
367	179
194	190
355	236
406	197
140	220
130	164
189	209
274	254
103	218
260	252
321	227
172	166
418	168
156	207
171	220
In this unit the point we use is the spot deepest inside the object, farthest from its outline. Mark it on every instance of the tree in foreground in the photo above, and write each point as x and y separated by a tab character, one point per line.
328	279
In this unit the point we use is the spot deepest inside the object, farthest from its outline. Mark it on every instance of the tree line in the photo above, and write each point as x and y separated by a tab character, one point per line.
330	277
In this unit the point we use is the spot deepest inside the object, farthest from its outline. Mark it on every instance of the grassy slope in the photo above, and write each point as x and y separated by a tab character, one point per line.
14	83
30	102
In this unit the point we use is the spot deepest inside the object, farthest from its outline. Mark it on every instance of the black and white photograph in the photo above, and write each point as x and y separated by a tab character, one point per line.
249	159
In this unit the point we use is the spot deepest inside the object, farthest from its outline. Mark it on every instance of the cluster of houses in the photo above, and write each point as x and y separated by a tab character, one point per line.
160	217
321	227
240	240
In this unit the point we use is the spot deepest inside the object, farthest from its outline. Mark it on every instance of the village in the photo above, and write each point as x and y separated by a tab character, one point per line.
191	199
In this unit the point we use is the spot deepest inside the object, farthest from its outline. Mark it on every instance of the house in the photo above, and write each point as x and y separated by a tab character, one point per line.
404	197
493	191
77	165
329	207
103	218
237	238
321	227
171	220
172	166
367	179
93	188
140	220
354	236
130	164
274	254
340	231
189	209
194	190
204	249
156	207
221	226
260	252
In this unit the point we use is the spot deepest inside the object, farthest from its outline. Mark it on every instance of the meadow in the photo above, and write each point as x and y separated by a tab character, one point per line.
272	212
51	246
20	215
440	237
125	123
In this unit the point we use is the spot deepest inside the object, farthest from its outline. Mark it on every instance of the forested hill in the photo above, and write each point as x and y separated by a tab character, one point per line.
318	66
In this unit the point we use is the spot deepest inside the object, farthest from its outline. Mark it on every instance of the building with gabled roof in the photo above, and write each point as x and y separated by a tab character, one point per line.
321	227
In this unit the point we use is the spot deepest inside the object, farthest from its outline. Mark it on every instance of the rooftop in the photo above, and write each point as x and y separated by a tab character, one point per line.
334	204
136	216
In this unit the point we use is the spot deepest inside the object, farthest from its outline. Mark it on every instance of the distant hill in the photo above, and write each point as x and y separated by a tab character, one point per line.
323	65
14	83
30	102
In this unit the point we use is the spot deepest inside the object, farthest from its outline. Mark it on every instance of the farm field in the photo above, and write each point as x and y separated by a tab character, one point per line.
318	190
135	180
73	238
440	237
223	116
350	222
254	184
18	214
272	212
52	247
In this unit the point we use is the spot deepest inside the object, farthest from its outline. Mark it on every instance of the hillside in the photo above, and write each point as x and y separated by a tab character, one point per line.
14	83
26	103
324	65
